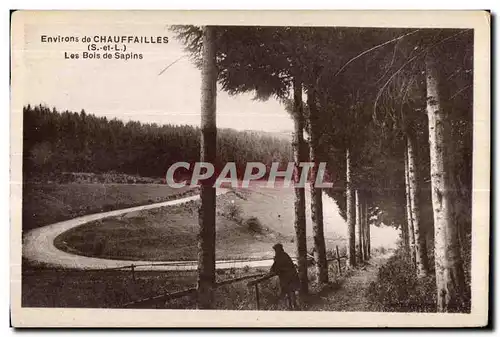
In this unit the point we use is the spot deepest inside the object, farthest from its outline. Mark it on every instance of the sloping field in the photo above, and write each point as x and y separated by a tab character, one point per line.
275	209
167	233
170	233
44	204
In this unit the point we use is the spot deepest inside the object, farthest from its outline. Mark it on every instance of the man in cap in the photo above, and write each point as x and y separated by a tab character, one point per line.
285	269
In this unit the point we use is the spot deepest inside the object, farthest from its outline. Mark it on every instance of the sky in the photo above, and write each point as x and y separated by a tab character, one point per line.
133	89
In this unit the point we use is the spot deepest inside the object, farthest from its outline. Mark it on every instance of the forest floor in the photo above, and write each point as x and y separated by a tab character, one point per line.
351	292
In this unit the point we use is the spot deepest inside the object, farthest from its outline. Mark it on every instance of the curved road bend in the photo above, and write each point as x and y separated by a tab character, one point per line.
38	245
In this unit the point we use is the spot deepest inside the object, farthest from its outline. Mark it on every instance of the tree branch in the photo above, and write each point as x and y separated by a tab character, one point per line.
459	91
171	64
374	48
364	53
407	63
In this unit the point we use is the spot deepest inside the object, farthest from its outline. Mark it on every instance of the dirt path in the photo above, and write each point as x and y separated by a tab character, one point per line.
351	296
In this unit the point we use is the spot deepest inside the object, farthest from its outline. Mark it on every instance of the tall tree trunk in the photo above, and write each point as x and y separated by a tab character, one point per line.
409	216
368	233
405	235
422	261
449	268
350	212
300	198
316	192
206	215
364	219
359	228
362	222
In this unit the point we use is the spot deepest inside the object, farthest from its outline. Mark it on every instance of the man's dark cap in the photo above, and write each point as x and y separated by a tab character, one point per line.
278	246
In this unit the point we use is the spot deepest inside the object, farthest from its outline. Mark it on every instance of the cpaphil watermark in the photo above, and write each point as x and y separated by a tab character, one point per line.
254	171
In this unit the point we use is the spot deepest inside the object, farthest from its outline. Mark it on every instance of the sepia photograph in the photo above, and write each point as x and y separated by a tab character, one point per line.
248	169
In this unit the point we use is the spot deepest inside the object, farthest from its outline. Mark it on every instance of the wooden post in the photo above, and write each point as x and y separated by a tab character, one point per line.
255	284
257	296
132	267
338	260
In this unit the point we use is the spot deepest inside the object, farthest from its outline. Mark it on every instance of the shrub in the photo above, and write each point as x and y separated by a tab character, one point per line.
397	287
331	254
379	250
233	211
253	224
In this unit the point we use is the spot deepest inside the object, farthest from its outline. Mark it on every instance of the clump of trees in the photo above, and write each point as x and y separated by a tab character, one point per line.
55	142
390	110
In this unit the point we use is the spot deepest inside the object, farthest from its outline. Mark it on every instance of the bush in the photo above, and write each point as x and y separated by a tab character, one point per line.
253	224
233	211
379	250
398	289
331	254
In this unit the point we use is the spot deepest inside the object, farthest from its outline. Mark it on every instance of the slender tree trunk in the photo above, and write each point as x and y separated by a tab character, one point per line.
359	228
364	207
422	261
300	198
449	268
368	234
316	193
405	235
410	230
350	212
362	221
206	216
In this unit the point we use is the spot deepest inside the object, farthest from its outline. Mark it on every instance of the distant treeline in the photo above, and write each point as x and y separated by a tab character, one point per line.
79	142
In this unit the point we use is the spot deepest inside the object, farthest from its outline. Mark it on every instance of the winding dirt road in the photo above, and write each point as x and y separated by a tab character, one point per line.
38	245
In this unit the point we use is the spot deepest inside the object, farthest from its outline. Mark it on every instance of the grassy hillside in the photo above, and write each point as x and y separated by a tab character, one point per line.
169	233
44	204
275	209
249	222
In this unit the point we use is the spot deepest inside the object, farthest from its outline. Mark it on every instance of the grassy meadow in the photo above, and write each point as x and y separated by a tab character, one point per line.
46	203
